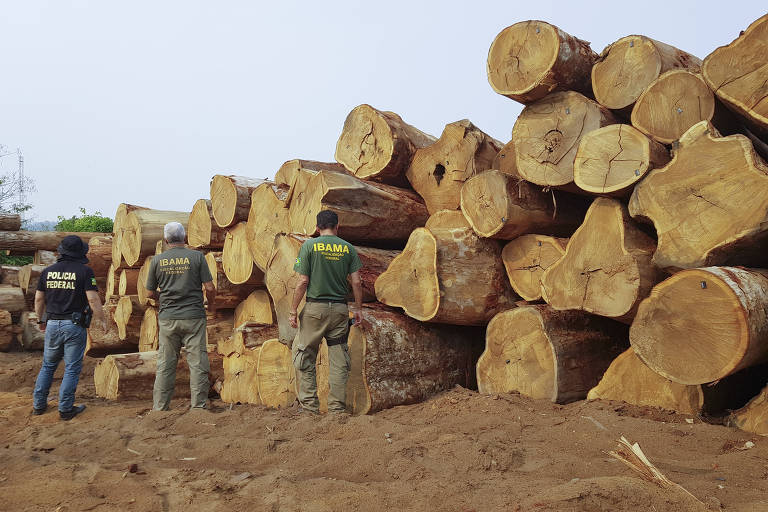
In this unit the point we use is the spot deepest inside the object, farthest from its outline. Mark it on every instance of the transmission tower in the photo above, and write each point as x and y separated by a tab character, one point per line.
22	190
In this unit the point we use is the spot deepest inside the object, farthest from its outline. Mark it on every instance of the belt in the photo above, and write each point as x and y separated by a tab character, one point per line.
334	301
57	316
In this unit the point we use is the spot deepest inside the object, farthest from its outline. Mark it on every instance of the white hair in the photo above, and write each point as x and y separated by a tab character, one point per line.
173	232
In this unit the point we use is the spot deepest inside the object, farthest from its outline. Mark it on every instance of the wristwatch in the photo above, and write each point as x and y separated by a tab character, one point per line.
40	322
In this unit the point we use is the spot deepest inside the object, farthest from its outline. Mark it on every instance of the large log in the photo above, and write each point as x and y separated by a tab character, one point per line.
12	299
30	337
141	286
704	324
447	274
141	231
627	66
369	213
31	241
281	281
505	160
549	354
606	268
531	59
268	217
123	209
129	281
9	275
612	159
525	260
547	134
100	255
228	294
379	146
231	198
236	261
275	376
10	222
716	215
737	72
255	308
8	331
438	171
128	316
396	360
202	229
291	170
148	332
753	417
501	206
99	343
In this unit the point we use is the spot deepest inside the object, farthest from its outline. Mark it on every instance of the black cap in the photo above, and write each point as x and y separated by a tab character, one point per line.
73	247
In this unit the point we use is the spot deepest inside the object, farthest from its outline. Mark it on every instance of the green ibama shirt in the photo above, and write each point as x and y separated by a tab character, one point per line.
327	260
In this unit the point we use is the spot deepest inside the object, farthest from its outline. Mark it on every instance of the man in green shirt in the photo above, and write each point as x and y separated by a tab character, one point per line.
323	265
181	274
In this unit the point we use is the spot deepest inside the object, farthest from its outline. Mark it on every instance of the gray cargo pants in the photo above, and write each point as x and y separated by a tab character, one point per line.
173	334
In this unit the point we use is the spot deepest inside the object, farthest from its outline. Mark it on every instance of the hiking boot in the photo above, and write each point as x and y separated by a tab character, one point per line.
311	412
68	415
38	412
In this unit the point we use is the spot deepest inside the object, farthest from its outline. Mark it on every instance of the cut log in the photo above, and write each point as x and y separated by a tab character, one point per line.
447	274
396	360
505	160
100	254
501	206
113	283
12	299
531	59
369	213
256	308
219	327
31	241
737	72
30	337
606	268
281	281
128	316
674	102
128	282
10	222
525	260
704	324
629	65
246	336
228	294
231	198
142	230
716	215
7	331
236	260
203	230
45	258
123	209
29	275
99	343
275	376
544	353
611	159
267	217
9	275
148	332
379	146
438	171
753	417
240	381
290	170
141	287
547	135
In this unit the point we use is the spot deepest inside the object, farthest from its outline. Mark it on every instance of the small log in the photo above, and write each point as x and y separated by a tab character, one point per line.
240	381
549	354
236	260
12	299
753	417
7	331
231	198
612	159
123	209
141	284
275	376
113	283
525	260
45	258
547	135
128	282
531	59
505	160
128	315
606	268
704	324
31	241
267	217
501	206
714	216
438	171
736	72
99	343
203	230
148	332
228	294
379	146
255	308
30	337
9	275
629	65
292	169
29	275
10	222
447	274
142	230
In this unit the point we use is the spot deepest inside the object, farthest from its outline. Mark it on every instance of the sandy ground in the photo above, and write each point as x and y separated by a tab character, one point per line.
459	451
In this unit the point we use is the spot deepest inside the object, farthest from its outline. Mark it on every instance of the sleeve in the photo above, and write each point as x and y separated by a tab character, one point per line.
302	265
205	272
151	284
43	279
354	262
90	280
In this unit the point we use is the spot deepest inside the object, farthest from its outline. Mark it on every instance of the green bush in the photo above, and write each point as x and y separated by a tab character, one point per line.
91	223
16	261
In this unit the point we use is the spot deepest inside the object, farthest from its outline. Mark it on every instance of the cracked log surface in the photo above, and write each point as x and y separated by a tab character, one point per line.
627	66
505	160
525	260
531	59
378	145
737	73
202	229
611	159
123	209
141	231
267	217
236	260
544	353
606	269
547	134
709	204
231	198
704	324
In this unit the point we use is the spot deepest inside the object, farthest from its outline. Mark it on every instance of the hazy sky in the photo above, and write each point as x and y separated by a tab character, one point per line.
142	102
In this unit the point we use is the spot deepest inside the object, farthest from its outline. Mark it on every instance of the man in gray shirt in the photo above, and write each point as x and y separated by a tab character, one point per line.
180	275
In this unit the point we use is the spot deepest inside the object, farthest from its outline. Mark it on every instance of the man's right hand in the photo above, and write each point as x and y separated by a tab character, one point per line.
358	318
292	318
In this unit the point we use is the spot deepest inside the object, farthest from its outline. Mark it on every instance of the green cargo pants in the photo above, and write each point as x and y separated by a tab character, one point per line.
320	320
172	335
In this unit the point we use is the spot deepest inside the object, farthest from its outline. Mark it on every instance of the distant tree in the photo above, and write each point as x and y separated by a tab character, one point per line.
85	222
14	185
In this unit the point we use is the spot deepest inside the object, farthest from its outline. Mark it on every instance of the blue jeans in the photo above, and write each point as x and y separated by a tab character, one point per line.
63	339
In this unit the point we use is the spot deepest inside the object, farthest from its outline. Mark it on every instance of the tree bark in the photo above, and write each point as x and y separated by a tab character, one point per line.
123	209
31	241
228	294
100	255
505	160
8	331
12	299
547	134
447	274
9	275
379	146
10	222
142	230
128	316
148	332
627	66
268	217
525	260
128	282
275	376
531	59
29	275
612	159
231	198
100	343
203	231
500	206
236	260
256	307
246	336
544	353
606	268
701	325
30	337
45	258
438	171
714	216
